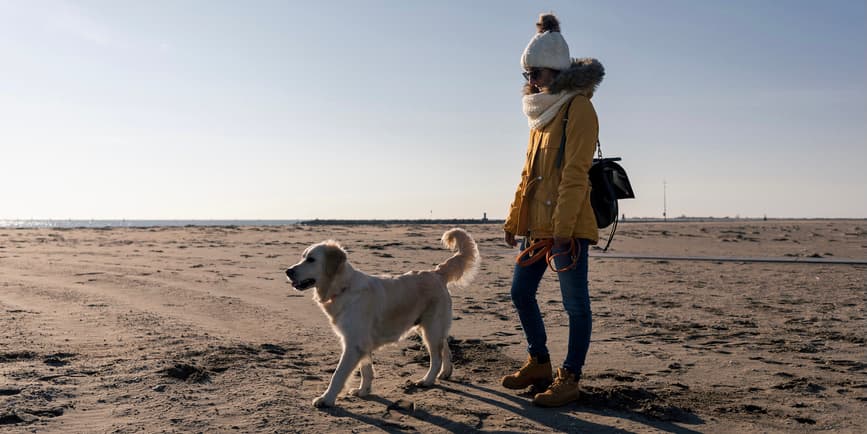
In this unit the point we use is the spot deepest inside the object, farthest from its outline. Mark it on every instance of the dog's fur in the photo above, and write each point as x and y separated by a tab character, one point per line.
368	312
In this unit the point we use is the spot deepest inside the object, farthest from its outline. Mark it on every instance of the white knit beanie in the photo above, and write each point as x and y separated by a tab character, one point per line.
547	49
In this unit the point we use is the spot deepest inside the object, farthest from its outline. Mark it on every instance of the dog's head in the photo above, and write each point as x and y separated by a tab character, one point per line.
318	266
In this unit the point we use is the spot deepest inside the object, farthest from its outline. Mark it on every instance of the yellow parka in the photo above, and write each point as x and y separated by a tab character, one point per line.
555	201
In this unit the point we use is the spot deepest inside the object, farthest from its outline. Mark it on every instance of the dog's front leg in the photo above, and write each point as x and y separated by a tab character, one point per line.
348	361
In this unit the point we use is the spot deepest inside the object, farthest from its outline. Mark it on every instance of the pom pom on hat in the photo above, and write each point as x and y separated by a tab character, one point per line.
547	23
547	49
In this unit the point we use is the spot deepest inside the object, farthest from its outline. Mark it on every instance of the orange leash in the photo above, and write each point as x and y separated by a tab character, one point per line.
542	249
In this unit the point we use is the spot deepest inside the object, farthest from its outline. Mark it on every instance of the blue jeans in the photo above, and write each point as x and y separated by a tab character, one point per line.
576	301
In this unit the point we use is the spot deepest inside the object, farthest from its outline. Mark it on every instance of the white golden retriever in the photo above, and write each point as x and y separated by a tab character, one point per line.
368	312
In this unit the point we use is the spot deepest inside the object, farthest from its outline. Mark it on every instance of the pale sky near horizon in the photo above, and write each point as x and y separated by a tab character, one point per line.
400	109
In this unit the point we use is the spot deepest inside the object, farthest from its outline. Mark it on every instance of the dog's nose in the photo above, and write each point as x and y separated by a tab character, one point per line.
290	273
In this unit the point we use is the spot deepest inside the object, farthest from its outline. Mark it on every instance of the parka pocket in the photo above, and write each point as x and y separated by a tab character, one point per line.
542	207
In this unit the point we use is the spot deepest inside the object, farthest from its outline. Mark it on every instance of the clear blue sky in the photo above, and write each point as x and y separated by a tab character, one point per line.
284	110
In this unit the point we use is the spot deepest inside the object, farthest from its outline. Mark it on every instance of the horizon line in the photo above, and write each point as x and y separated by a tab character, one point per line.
111	219
145	223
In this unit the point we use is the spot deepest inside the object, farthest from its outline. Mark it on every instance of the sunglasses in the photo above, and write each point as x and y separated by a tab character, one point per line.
533	74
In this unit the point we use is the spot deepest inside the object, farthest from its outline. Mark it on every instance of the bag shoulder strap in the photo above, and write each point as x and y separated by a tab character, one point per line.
563	137
562	149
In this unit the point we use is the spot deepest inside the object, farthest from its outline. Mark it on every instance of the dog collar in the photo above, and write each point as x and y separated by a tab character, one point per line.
331	299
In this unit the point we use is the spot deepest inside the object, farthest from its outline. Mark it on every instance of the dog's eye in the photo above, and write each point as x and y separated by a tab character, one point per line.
310	259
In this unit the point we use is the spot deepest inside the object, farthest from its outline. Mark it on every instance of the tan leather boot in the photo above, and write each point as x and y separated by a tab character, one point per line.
562	391
532	372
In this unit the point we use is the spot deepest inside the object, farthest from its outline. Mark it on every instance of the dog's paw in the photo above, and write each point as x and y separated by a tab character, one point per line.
360	392
423	383
323	401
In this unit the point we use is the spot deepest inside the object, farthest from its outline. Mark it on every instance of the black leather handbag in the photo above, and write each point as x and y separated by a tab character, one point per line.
609	184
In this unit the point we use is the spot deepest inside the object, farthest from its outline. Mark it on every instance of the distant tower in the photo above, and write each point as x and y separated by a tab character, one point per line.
484	217
664	202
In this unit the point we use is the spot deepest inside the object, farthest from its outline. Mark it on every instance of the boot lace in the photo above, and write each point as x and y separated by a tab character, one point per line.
527	365
560	382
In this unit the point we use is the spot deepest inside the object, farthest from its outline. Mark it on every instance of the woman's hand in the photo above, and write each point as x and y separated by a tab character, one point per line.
509	238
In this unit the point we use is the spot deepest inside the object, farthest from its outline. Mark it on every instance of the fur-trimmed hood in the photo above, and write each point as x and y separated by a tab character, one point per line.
583	76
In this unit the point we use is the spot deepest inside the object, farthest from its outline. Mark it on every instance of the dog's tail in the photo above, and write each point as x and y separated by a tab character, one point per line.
462	266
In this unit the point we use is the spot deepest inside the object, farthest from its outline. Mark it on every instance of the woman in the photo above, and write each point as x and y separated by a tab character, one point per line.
552	206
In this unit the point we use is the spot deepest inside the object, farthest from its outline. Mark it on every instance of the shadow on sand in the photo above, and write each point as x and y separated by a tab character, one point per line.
562	419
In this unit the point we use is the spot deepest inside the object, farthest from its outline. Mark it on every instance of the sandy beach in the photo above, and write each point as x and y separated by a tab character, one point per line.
194	329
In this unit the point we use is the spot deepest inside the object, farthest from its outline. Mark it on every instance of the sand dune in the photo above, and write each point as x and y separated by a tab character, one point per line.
195	330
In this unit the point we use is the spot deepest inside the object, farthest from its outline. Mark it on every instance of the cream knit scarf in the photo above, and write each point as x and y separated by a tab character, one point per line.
541	108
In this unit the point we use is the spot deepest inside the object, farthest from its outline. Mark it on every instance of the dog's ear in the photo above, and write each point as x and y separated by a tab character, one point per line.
334	258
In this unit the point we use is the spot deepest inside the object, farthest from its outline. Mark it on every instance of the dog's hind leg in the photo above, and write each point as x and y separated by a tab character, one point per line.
348	361
433	340
446	370
366	379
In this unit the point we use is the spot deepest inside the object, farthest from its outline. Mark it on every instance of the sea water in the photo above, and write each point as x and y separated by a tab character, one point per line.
137	223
